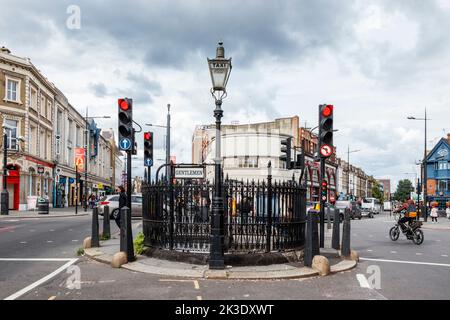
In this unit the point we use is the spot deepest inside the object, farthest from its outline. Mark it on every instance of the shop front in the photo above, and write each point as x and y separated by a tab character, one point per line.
13	186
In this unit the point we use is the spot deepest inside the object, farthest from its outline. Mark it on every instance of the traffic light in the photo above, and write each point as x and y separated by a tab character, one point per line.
148	149
286	151
300	163
126	142
325	130
324	190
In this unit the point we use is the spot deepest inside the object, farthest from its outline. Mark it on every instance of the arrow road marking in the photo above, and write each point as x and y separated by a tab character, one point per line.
363	281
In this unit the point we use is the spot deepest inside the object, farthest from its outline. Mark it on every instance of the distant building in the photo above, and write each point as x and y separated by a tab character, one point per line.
438	172
386	186
247	149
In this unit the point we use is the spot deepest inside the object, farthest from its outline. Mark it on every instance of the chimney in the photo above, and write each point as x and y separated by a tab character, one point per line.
3	49
448	138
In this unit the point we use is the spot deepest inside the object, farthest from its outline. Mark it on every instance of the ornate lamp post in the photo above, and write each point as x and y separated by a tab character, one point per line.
220	69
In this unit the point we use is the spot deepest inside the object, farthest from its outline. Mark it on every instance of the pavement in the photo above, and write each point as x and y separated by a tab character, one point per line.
387	269
53	213
443	223
167	268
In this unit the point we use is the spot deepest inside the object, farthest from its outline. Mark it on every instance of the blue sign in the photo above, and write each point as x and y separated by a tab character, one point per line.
125	144
148	162
71	180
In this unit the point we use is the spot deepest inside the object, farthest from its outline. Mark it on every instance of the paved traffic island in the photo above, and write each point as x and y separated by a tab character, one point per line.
329	262
52	213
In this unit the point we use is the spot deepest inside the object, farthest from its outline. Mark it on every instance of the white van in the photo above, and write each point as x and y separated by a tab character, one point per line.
372	205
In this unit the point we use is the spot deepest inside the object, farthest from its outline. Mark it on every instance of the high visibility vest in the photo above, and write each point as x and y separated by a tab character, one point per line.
411	211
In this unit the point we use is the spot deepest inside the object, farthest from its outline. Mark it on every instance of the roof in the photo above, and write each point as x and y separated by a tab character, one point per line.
440	151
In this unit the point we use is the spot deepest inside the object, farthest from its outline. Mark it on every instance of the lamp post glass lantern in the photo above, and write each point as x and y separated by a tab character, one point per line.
220	69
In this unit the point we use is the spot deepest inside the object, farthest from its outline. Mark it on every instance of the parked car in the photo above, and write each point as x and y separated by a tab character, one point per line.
113	202
355	210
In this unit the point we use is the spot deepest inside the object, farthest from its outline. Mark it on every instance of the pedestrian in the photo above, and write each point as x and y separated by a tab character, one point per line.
122	203
434	213
447	211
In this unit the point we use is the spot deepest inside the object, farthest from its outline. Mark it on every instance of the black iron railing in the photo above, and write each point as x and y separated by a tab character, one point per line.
259	216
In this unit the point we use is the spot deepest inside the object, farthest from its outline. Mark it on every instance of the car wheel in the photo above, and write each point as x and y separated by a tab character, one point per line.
359	218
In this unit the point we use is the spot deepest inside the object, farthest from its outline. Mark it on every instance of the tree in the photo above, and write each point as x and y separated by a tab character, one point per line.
376	191
404	189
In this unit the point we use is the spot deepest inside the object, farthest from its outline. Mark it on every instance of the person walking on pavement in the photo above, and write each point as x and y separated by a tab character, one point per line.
447	211
434	213
122	203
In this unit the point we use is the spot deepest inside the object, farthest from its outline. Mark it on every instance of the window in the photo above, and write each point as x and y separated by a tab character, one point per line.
42	144
32	140
11	133
442	185
448	185
442	165
33	98
49	110
43	105
11	90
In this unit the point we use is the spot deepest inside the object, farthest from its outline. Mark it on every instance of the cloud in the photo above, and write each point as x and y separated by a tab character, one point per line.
376	61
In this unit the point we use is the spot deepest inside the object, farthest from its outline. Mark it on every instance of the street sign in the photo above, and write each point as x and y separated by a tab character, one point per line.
189	173
125	144
148	162
40	170
326	150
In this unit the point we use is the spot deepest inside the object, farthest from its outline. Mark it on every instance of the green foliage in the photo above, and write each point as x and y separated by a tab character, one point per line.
80	252
404	189
376	191
138	243
104	237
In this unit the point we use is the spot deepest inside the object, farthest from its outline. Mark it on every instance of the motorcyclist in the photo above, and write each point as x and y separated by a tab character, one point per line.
410	215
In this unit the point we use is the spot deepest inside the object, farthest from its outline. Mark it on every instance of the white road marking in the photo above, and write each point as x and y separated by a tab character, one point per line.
38	259
199	297
52	298
70	229
418	254
196	286
363	281
74	240
444	255
23	242
51	230
437	240
49	241
41	281
32	230
409	262
369	250
393	251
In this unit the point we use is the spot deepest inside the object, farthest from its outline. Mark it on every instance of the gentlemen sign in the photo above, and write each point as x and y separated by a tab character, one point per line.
189	173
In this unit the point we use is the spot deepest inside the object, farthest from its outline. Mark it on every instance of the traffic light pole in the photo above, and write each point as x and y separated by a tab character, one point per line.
322	204
129	179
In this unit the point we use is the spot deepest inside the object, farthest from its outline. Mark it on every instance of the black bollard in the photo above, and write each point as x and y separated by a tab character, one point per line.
312	238
95	241
345	251
336	228
106	223
126	234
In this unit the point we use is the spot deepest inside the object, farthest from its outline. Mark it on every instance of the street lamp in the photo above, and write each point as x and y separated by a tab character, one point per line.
348	167
424	165
86	118
220	69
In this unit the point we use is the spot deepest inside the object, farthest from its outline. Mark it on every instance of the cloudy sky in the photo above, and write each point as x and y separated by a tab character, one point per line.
376	61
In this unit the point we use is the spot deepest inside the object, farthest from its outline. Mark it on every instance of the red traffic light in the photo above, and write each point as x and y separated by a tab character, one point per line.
147	135
324	184
123	104
327	111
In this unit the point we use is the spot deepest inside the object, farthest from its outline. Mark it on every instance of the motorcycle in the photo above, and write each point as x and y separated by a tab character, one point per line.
412	231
